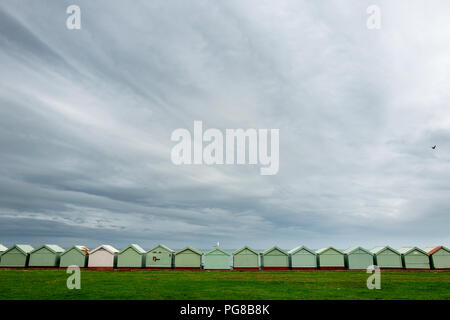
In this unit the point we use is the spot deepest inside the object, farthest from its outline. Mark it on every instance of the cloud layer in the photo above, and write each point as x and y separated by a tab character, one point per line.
86	118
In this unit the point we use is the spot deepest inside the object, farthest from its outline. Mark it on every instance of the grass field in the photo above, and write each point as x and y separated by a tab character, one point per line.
178	285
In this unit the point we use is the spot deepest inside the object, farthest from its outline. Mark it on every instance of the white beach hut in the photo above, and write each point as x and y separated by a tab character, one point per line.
104	256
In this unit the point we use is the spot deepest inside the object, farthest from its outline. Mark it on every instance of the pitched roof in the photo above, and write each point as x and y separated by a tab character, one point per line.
243	248
377	250
107	247
161	246
352	249
24	248
81	249
328	248
189	248
274	248
135	247
406	250
52	247
3	248
432	250
297	249
217	249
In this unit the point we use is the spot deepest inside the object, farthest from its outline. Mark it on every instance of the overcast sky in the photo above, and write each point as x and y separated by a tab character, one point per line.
86	118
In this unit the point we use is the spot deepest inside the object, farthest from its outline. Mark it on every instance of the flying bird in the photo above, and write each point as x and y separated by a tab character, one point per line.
433	147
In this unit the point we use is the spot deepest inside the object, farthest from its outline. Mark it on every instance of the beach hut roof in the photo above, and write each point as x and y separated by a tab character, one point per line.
217	249
81	249
24	248
3	248
297	249
406	250
107	247
328	248
52	247
274	248
189	248
432	250
352	249
377	250
135	247
244	248
161	246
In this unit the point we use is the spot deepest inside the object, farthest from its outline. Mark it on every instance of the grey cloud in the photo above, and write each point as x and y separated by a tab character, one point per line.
86	118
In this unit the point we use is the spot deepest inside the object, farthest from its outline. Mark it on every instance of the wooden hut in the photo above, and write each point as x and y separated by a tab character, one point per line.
103	257
16	257
188	258
217	259
415	258
387	258
358	258
159	257
275	258
246	258
303	258
75	256
131	257
439	257
330	259
46	256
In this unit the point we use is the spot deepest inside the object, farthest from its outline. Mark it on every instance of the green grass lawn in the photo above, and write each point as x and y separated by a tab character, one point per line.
51	284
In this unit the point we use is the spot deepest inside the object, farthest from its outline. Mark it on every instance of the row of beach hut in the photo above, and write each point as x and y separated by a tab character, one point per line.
246	258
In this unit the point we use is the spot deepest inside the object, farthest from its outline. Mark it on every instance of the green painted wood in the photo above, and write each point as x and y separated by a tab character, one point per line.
131	257
358	258
246	258
74	256
302	257
45	256
275	257
16	256
188	258
159	257
330	257
386	257
415	258
2	250
217	259
441	258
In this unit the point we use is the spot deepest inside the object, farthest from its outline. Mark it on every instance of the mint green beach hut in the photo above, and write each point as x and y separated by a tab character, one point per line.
246	258
303	258
387	258
439	257
16	257
2	249
358	258
46	256
75	256
330	259
188	258
415	258
159	257
275	258
131	257
217	259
